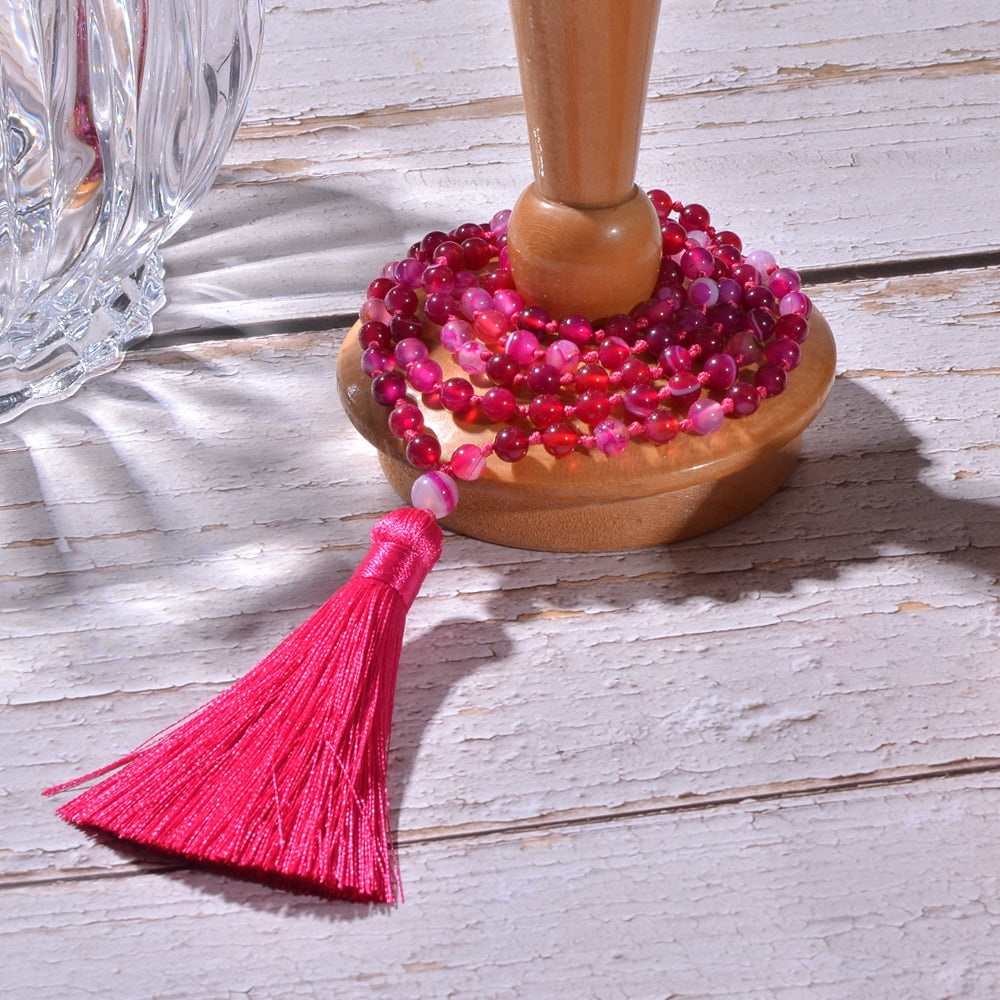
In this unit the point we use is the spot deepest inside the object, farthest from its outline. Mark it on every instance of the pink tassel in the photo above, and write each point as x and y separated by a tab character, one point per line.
282	777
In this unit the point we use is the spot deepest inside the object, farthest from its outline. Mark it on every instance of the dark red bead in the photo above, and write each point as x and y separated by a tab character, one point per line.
388	387
559	439
672	235
758	297
500	277
545	410
378	288
533	318
694	217
374	334
661	202
621	326
745	398
760	322
634	371
510	444
440	306
543	377
400	299
613	353
467	231
449	252
430	243
728	237
771	378
591	378
592	407
456	394
477	252
641	400
502	369
404	418
784	352
498	404
793	327
660	426
423	450
405	325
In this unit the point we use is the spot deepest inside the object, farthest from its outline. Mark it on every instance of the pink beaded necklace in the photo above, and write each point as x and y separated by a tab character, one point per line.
718	336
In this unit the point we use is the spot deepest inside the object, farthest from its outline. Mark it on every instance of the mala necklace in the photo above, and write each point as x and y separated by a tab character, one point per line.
281	778
718	336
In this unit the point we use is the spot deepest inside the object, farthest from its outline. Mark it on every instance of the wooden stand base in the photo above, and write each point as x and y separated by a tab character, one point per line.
587	502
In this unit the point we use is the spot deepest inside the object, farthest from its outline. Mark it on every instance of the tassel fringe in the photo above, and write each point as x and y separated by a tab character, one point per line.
282	777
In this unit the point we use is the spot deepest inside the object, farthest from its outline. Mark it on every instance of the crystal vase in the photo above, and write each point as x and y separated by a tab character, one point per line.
114	119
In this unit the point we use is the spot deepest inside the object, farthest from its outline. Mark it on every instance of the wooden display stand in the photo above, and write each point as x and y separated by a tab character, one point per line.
584	240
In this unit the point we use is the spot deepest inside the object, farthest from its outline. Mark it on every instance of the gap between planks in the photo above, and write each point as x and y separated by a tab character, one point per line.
886	778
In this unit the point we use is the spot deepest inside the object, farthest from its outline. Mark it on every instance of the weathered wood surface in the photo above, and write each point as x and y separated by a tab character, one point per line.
762	764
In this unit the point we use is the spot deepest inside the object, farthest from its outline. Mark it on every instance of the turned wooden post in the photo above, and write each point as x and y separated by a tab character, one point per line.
583	239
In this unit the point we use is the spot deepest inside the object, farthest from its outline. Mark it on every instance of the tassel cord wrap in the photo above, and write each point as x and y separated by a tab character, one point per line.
281	778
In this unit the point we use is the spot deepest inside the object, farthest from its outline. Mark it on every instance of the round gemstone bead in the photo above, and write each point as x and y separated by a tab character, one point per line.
611	436
374	309
795	304
592	378
424	375
684	387
430	243
703	293
475	300
545	410
468	462
576	329
783	352
720	371
730	291
559	439
761	323
783	281
374	334
673	236
745	398
436	492
376	359
510	444
745	348
641	400
613	353
423	450
793	327
675	359
522	346
405	418
534	318
455	333
592	407
387	387
771	378
456	394
508	302
498	404
694	216
404	325
477	252
490	324
502	369
633	372
409	350
660	427
498	224
439	278
401	299
762	261
472	357
728	238
705	416
662	202
439	306
449	252
562	355
378	288
543	378
758	297
409	272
